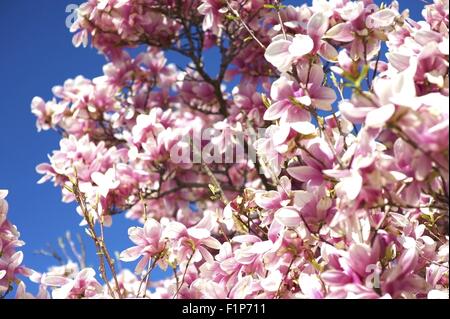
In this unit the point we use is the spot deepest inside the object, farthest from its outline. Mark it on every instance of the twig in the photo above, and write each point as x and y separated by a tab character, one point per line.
277	295
277	8
184	275
250	31
102	251
150	268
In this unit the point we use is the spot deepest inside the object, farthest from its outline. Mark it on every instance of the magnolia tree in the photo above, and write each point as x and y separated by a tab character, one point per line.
311	163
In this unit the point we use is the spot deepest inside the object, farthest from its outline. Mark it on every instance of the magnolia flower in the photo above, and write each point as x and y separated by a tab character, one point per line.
290	115
10	259
3	205
84	285
358	29
282	52
191	243
402	274
311	286
22	293
130	285
311	94
105	182
250	249
382	18
351	10
272	200
272	147
245	288
288	216
350	184
149	243
317	157
352	266
212	10
272	281
146	123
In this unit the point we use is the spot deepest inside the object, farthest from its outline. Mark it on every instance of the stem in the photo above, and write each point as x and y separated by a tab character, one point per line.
277	295
184	275
277	8
145	279
102	250
250	31
315	233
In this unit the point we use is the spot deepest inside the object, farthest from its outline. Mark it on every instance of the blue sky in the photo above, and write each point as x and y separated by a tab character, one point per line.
36	54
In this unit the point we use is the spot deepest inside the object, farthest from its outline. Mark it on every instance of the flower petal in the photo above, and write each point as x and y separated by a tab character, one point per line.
288	217
301	45
317	25
277	53
377	118
130	254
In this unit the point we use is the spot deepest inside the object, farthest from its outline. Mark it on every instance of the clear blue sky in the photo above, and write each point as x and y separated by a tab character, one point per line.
36	54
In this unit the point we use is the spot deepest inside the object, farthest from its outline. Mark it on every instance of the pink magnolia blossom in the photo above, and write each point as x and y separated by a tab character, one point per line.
282	52
191	243
84	285
11	259
212	10
148	242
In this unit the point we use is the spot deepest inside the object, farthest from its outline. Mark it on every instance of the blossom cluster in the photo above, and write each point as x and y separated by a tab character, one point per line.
11	267
349	194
